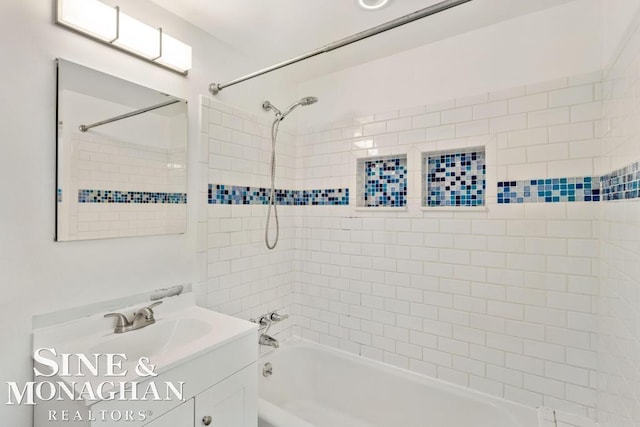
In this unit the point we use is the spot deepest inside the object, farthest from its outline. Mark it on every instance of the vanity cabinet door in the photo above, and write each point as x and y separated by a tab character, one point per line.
182	416
232	402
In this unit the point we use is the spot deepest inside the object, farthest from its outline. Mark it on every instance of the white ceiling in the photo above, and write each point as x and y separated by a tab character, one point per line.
276	30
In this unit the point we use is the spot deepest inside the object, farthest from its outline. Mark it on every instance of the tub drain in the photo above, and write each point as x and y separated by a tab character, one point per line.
267	370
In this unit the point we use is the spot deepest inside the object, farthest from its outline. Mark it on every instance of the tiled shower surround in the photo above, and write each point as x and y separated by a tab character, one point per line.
241	276
501	298
619	304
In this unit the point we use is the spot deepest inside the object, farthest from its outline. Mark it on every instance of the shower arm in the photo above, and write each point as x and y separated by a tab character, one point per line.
215	88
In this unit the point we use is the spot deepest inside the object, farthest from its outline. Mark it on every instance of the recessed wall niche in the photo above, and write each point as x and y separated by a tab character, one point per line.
454	178
382	182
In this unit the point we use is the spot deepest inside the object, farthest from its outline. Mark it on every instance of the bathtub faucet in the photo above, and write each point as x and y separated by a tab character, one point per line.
268	340
265	323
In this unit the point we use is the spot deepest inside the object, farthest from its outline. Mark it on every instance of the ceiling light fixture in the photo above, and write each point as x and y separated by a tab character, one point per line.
108	25
372	4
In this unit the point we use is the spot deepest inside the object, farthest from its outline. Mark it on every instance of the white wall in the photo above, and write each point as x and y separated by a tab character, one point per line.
541	46
617	16
38	275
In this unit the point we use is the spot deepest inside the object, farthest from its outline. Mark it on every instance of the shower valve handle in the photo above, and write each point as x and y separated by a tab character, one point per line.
275	317
264	321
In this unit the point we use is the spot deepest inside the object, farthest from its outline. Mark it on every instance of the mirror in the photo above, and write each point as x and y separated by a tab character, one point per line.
121	157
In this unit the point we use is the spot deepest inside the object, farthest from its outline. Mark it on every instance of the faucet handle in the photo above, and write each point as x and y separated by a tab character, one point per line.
275	317
264	321
121	319
150	306
147	311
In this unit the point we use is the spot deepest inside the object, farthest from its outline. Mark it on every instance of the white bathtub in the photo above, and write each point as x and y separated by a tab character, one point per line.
313	385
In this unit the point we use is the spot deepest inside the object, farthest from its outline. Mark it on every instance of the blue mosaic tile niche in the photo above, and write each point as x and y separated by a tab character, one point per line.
382	182
111	196
454	179
220	194
621	184
550	190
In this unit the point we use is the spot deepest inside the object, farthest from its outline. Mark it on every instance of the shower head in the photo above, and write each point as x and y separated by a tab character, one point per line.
307	100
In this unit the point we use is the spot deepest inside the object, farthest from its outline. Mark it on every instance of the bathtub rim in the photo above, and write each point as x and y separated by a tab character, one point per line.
530	414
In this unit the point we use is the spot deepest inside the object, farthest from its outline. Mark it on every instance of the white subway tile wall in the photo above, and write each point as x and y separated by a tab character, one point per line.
619	303
240	276
502	300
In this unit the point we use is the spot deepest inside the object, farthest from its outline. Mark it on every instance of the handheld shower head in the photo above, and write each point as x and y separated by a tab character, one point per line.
267	106
307	100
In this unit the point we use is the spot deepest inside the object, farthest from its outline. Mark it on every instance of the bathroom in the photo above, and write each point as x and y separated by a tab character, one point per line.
531	302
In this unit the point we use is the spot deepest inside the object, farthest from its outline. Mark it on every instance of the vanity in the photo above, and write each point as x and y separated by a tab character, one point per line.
188	367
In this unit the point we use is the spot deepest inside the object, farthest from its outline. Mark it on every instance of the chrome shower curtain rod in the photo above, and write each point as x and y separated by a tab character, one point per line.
215	88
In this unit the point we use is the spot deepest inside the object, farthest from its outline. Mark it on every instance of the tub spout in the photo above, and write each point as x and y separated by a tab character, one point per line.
267	340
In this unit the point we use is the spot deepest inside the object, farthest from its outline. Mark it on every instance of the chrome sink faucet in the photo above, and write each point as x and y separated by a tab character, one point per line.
142	318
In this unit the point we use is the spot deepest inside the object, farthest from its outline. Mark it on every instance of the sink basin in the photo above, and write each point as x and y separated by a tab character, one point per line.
153	340
182	332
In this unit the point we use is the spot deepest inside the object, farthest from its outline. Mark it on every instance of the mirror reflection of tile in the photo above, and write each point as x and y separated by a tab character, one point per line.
125	177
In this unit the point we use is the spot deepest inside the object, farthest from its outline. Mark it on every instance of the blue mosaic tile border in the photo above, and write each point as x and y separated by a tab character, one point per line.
237	195
550	190
621	184
385	182
454	179
114	196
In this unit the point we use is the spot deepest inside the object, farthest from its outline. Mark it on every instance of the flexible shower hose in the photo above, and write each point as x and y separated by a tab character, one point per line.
272	194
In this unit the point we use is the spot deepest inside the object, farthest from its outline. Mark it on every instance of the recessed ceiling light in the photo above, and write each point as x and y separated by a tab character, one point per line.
372	4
